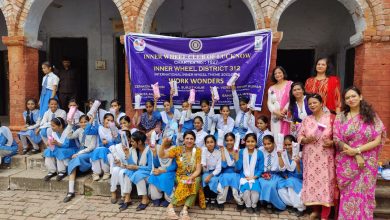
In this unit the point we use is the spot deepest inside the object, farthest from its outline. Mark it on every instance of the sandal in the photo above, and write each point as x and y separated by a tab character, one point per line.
171	214
141	207
184	215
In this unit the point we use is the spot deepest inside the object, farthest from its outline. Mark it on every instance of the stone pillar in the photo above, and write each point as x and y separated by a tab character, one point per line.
372	76
23	77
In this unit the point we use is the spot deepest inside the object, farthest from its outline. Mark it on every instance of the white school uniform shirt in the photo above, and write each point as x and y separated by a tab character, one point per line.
210	124
77	116
52	80
248	118
212	161
90	142
45	122
200	135
105	133
274	161
226	128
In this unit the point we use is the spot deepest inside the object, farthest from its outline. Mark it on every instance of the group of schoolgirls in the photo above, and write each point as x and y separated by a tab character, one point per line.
239	158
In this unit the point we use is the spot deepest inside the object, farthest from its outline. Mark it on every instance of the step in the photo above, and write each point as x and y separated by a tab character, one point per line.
19	162
36	162
97	188
4	177
33	180
383	213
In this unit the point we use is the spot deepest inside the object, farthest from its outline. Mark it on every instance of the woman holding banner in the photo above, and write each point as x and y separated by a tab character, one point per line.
278	99
188	178
326	85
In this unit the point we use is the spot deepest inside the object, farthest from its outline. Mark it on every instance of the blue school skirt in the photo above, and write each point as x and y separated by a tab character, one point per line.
43	132
269	191
82	161
255	187
60	153
44	101
137	175
163	182
240	131
291	182
31	133
229	178
213	184
100	152
13	150
187	126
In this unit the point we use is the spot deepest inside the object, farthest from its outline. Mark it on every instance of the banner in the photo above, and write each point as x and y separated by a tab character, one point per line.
199	63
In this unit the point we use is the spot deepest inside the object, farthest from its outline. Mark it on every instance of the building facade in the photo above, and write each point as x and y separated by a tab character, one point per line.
354	33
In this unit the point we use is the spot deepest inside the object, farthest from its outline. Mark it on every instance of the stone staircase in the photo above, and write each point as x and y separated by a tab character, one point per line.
27	172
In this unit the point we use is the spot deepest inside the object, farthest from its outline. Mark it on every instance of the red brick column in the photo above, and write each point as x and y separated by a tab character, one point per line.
372	76
23	77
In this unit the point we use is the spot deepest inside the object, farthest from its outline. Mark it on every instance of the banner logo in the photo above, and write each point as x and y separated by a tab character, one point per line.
139	44
258	43
195	45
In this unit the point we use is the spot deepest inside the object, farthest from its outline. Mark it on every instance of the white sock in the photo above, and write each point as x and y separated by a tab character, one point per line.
71	186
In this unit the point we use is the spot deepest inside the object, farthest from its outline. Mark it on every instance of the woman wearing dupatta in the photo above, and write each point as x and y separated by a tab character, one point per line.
325	85
188	178
319	181
278	101
359	135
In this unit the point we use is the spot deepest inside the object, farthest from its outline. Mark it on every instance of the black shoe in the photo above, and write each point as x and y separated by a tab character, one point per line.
164	203
24	152
68	197
290	209
49	176
299	213
240	208
33	151
221	207
61	176
249	210
124	206
156	202
141	207
212	204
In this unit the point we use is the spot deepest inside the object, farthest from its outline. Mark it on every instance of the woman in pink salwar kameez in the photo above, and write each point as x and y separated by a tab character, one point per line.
319	178
278	101
359	135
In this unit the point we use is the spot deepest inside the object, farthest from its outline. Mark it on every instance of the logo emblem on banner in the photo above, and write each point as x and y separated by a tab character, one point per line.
139	44
258	43
195	45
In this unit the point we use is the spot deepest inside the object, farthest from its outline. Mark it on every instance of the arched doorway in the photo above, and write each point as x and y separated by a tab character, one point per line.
86	32
186	18
313	29
199	18
4	82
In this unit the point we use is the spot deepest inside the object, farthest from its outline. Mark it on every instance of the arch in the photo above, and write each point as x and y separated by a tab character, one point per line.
150	7
29	25
355	8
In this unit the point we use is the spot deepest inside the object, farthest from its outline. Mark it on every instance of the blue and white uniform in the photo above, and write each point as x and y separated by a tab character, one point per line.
45	124
229	178
58	157
241	124
139	177
211	163
49	81
164	183
269	191
289	189
250	165
8	146
87	143
32	120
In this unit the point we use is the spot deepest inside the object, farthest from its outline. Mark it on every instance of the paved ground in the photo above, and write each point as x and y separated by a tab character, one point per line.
49	205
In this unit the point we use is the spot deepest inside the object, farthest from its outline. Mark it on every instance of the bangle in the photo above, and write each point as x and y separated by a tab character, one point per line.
359	152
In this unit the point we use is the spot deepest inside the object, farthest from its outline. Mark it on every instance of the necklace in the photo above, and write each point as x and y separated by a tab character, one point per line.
188	164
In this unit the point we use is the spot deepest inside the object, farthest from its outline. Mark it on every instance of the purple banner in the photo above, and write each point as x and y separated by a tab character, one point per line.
199	63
